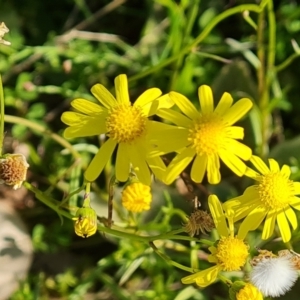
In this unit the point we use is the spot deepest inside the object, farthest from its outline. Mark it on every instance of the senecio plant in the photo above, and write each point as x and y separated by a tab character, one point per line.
165	138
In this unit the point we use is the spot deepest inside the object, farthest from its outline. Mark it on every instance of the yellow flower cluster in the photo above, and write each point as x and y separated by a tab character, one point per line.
196	138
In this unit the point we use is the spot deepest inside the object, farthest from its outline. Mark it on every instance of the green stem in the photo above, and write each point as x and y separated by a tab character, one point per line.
1	116
55	205
43	131
169	260
213	23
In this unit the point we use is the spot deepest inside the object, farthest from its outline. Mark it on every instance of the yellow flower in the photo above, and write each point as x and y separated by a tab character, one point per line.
270	200
207	136
13	170
85	220
249	292
229	254
126	126
137	197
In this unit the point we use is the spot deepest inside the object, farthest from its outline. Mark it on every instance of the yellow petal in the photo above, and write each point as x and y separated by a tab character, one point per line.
251	173
206	99
233	162
185	105
235	132
286	171
145	100
213	169
99	161
178	164
291	216
157	166
217	214
88	126
238	110
103	95
284	227
121	86
259	165
252	221
87	107
174	117
122	163
269	225
166	138
239	149
202	278
137	157
274	167
224	104
296	188
163	102
199	168
295	202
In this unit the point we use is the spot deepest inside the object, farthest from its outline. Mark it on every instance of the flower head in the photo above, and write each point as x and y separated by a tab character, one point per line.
13	170
229	254
199	221
273	275
249	291
270	200
3	31
208	136
85	220
127	127
136	197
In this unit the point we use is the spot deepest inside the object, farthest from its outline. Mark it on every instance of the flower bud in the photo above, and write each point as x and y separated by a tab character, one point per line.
85	222
137	197
13	169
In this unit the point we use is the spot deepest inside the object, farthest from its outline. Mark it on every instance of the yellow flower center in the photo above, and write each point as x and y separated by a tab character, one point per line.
249	291
231	253
125	123
275	190
207	134
137	197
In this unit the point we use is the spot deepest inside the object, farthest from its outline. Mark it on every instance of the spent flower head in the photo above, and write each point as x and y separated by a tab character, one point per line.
273	275
228	254
207	136
127	127
136	197
199	221
270	200
3	31
13	169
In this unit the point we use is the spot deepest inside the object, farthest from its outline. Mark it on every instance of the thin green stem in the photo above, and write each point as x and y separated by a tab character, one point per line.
169	260
1	116
42	131
286	63
211	25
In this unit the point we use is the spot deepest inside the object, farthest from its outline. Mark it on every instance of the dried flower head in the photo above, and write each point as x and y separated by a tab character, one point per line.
137	197
272	274
13	170
3	31
199	221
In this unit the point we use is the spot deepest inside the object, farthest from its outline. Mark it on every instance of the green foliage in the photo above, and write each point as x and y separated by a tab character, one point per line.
60	50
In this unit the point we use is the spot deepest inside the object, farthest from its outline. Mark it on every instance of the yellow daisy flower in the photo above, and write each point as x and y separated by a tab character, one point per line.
229	254
126	125
207	136
270	200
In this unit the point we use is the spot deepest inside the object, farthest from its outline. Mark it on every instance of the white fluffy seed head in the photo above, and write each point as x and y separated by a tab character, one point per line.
274	276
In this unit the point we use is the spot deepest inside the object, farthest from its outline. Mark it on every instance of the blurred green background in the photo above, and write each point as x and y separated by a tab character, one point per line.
59	50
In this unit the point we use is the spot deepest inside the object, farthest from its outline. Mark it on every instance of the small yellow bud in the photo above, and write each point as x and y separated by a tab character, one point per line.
137	197
85	222
13	169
